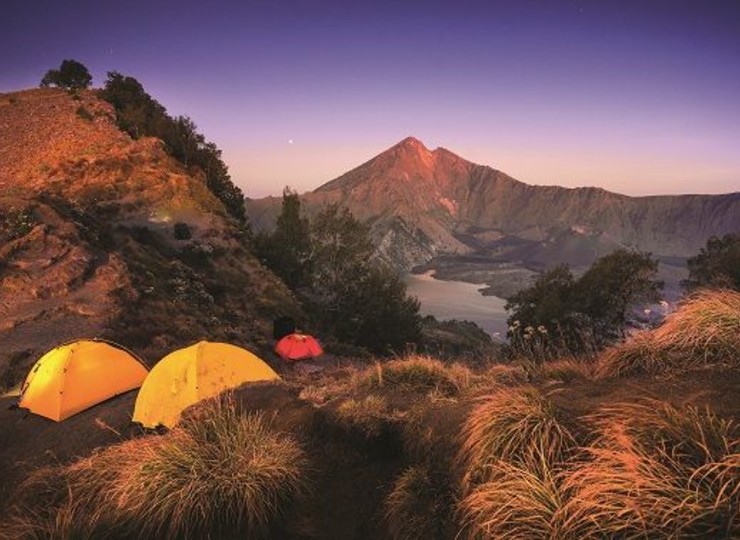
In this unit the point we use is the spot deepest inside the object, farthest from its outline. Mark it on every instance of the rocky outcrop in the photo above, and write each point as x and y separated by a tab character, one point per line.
88	245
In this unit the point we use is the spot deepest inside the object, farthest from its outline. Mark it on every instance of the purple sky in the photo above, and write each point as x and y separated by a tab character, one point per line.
639	97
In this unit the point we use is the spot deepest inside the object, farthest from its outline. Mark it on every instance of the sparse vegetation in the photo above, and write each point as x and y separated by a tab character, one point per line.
565	370
456	339
368	415
16	223
83	113
704	330
418	505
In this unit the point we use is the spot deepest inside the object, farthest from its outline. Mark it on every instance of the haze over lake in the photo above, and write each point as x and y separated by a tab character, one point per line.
457	300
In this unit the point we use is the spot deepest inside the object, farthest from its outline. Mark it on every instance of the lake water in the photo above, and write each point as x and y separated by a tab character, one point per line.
458	300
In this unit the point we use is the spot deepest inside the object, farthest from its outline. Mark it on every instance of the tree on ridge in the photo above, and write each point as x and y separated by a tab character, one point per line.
71	75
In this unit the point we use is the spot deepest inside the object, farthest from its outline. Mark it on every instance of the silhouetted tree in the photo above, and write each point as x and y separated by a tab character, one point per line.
561	314
613	285
354	297
545	313
71	75
287	250
717	265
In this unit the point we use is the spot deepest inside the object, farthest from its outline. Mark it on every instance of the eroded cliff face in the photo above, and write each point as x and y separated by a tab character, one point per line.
424	203
88	245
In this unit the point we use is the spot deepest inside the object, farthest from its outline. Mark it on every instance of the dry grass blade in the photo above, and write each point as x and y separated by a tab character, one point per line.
369	415
566	369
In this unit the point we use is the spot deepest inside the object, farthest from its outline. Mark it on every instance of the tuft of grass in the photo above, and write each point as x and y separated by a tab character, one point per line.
513	448
518	501
419	505
656	471
704	330
419	375
219	472
369	415
517	425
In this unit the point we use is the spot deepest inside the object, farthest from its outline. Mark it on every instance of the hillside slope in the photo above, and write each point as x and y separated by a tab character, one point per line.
88	246
426	203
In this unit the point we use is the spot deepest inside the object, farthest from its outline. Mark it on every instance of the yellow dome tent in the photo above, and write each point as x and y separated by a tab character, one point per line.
189	375
73	377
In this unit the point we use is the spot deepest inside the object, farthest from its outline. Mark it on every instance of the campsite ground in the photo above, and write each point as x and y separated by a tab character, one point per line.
352	464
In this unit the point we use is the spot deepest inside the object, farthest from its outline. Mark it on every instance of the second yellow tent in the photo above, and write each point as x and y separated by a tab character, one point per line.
194	373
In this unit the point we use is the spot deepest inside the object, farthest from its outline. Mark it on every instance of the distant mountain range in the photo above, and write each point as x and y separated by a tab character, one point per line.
471	221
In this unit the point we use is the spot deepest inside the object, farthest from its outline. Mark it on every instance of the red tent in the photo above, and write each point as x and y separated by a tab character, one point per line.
298	347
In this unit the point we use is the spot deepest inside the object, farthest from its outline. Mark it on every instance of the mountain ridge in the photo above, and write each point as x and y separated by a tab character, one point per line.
425	203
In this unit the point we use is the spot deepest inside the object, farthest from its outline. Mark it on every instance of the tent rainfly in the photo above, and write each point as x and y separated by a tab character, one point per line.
73	377
192	374
294	347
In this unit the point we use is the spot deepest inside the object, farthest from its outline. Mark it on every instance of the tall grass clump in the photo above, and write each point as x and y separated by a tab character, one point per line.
419	375
218	473
704	330
419	505
657	471
518	501
517	425
513	448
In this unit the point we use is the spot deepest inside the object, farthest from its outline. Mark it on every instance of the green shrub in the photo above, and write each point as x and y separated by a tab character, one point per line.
140	115
71	75
83	113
